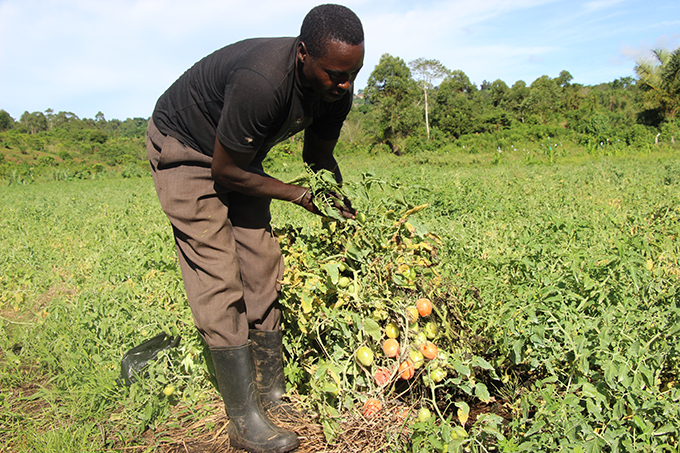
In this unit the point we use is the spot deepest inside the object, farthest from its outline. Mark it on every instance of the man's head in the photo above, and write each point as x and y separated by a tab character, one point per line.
331	51
330	22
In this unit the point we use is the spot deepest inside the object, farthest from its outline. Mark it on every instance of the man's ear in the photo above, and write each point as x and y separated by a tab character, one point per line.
302	53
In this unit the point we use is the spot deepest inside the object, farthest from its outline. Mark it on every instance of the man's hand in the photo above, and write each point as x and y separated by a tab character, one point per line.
306	200
342	205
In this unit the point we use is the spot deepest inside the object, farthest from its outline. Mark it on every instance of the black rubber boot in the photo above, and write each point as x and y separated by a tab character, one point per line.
249	428
267	350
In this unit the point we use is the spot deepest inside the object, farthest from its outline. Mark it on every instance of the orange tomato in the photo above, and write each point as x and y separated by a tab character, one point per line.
424	306
429	350
391	347
371	407
406	370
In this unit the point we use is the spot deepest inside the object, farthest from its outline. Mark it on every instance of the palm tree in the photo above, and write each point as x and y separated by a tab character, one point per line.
660	80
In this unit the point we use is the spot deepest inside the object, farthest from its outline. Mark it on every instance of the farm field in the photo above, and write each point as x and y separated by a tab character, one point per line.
554	287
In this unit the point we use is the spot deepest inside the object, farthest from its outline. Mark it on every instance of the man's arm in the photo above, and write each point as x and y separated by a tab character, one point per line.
232	170
318	154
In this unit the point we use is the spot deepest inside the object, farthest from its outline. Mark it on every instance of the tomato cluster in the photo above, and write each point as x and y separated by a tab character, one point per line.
408	352
347	284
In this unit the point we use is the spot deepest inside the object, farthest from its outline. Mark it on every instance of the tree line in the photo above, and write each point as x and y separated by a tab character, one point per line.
424	105
60	145
405	108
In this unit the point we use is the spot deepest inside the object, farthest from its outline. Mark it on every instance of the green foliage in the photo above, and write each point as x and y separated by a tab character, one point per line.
6	121
555	289
77	292
61	146
660	81
393	92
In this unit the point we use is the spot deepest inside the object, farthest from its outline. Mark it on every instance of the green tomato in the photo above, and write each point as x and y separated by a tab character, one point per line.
379	314
416	357
344	282
412	314
361	217
431	330
437	375
424	414
342	267
364	356
169	390
419	339
392	330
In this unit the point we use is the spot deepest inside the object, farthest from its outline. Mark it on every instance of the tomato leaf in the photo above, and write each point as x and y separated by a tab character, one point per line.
482	392
372	329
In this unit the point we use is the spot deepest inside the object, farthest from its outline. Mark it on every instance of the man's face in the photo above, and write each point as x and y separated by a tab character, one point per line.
333	74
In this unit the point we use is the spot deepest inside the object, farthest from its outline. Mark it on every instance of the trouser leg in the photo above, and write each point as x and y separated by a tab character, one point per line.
229	258
260	260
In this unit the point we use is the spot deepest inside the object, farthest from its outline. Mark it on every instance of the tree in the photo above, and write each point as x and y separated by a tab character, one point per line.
392	90
34	122
454	111
426	72
543	99
6	121
499	91
564	79
100	121
64	119
659	80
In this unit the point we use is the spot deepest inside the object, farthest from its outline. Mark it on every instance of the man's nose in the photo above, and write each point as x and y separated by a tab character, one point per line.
345	84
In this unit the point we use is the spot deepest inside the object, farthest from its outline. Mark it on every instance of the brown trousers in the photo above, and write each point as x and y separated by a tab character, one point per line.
230	260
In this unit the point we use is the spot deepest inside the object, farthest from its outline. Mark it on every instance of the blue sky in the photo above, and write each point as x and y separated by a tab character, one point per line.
118	56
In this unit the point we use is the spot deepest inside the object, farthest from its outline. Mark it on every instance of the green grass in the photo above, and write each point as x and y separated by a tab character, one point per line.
566	274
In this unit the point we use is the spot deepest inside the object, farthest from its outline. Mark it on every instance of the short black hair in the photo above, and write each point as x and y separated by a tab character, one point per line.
330	22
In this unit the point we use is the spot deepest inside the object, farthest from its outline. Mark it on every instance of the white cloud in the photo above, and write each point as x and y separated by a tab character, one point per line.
644	50
598	5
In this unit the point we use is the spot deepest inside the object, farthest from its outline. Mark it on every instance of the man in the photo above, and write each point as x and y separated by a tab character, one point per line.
207	138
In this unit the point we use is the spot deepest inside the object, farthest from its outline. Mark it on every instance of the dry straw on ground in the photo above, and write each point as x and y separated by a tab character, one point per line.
359	435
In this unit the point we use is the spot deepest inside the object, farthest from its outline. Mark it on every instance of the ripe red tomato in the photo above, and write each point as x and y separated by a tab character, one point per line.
382	376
